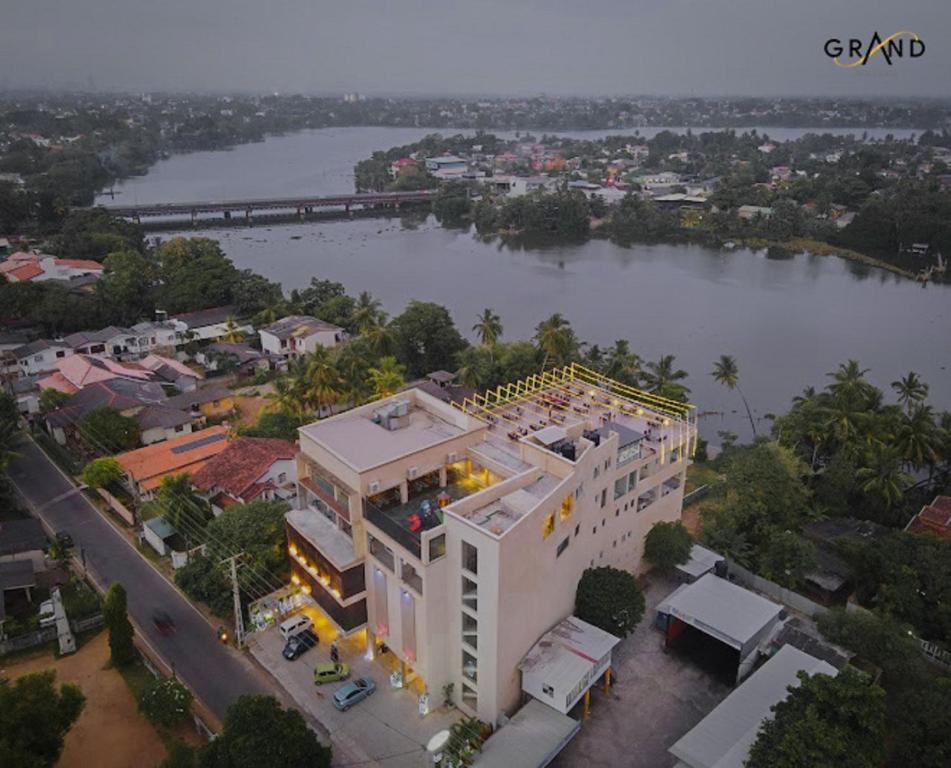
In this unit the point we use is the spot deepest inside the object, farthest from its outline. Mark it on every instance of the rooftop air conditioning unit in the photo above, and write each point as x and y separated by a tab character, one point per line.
452	457
412	472
374	486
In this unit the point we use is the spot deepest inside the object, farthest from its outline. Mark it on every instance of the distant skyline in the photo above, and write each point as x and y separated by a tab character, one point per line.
448	48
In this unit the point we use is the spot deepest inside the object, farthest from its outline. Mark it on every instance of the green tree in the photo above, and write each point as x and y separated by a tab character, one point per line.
233	333
259	733
9	432
273	424
180	755
882	477
667	545
114	611
51	399
488	327
727	373
824	722
910	390
556	340
426	338
367	314
663	379
610	599
35	718
166	702
387	377
324	386
451	204
102	472
126	292
107	429
180	504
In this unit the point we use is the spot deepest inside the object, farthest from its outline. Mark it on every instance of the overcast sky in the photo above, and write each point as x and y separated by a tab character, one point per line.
676	47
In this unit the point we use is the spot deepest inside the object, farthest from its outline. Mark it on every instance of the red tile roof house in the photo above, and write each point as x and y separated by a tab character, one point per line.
22	267
934	518
250	468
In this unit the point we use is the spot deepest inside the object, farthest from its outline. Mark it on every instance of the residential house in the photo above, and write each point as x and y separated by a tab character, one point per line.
298	335
23	539
109	342
145	467
250	468
446	166
934	518
206	324
158	335
23	267
750	212
212	401
245	358
10	341
27	394
77	371
40	356
173	372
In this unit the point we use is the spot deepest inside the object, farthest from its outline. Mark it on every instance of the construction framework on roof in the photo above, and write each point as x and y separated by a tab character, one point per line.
574	391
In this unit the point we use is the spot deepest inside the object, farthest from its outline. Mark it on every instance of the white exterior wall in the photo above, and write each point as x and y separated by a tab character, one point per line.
271	344
43	361
158	434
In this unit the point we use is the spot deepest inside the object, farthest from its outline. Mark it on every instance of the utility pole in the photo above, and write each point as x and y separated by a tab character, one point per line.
238	616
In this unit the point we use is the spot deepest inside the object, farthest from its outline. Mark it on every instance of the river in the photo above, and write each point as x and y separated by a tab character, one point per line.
787	322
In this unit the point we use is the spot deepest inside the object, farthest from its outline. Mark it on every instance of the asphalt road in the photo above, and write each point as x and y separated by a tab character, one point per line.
217	674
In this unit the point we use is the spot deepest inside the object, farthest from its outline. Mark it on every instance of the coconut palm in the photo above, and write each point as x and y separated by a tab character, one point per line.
918	439
911	390
286	395
387	376
883	477
849	381
662	379
382	337
323	387
233	333
726	372
488	327
367	314
556	340
622	364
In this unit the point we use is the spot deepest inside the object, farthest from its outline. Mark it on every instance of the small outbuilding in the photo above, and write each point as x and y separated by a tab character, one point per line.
718	623
702	561
158	532
531	739
724	737
562	666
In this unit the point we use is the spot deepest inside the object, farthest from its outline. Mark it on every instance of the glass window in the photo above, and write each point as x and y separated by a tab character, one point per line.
562	546
470	631
469	697
470	667
437	547
470	594
470	557
548	525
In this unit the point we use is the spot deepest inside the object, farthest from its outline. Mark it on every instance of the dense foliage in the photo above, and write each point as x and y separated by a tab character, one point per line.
115	613
166	702
610	599
667	545
35	717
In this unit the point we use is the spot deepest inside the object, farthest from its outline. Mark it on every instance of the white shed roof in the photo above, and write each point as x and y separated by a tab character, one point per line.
529	740
724	610
724	737
702	560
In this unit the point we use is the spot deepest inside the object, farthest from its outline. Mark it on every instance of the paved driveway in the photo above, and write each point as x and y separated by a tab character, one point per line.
385	727
656	699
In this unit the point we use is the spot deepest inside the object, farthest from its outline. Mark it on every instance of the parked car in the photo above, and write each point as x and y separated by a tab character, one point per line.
299	644
330	672
47	614
353	693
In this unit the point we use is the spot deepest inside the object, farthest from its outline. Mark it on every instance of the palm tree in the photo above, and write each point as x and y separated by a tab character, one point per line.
910	389
323	380
662	379
849	381
622	364
918	439
556	339
367	314
726	372
882	476
387	377
286	395
382	337
488	327
233	333
271	313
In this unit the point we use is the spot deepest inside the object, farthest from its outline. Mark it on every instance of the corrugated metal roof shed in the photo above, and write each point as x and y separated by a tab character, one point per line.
724	737
531	739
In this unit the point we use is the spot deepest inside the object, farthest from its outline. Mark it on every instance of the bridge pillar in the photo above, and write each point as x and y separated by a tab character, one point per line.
194	217
247	217
227	215
347	209
300	213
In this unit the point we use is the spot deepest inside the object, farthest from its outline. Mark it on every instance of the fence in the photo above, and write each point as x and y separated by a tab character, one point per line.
935	654
696	494
117	506
47	634
787	597
180	559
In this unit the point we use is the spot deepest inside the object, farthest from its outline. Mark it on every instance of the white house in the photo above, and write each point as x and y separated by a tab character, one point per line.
446	166
249	468
40	356
206	324
299	334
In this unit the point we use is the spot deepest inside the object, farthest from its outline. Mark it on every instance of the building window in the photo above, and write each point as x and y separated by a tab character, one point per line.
577	529
567	504
381	552
548	525
604	497
470	631
470	595
470	667
61	353
597	471
437	547
562	546
282	478
470	557
579	491
469	697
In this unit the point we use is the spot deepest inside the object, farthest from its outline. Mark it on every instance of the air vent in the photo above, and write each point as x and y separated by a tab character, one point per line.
412	472
452	458
374	486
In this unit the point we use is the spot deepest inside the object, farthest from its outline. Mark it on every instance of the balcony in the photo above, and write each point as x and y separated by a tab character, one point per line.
404	523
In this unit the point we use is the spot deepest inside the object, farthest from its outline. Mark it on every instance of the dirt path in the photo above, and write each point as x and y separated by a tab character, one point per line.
110	732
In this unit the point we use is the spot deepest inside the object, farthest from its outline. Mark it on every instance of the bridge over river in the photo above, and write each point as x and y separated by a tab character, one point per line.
243	211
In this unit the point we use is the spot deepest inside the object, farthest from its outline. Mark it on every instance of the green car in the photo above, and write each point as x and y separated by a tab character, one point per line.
330	672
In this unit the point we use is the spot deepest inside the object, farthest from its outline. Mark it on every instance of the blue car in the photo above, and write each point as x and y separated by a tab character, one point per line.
353	693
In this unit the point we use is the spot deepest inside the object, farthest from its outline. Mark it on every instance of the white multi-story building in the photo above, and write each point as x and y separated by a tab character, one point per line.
456	534
299	334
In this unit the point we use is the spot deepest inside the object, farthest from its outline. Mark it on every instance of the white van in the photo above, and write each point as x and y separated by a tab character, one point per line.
295	625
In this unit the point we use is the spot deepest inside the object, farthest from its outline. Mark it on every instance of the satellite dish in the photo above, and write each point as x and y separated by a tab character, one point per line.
438	741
